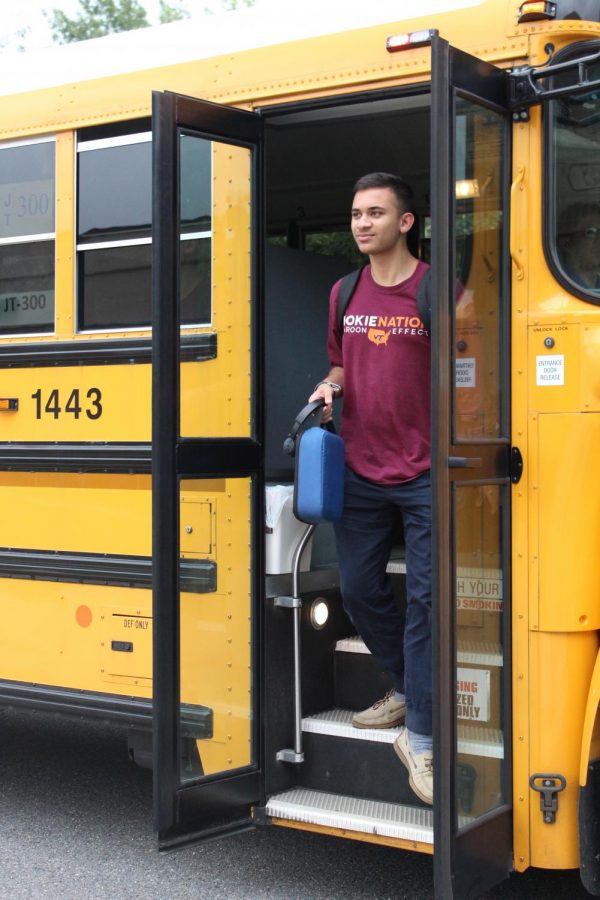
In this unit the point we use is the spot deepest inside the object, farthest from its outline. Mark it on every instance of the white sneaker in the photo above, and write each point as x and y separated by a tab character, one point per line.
419	765
384	713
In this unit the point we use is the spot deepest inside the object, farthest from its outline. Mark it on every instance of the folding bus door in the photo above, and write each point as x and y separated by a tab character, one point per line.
470	466
207	464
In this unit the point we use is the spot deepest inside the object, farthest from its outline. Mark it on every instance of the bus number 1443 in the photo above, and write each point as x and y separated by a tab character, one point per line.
92	405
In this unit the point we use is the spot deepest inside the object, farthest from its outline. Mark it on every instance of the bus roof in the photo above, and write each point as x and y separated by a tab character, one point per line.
203	36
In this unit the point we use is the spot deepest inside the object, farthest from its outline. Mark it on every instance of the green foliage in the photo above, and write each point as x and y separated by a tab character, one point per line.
230	5
172	12
97	18
7	42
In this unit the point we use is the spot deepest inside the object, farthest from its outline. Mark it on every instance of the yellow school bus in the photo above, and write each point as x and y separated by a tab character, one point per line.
173	211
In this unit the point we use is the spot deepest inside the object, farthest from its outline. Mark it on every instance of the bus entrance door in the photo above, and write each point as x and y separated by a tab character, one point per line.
470	464
207	460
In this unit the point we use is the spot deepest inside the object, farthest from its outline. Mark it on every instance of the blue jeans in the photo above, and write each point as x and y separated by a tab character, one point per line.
364	538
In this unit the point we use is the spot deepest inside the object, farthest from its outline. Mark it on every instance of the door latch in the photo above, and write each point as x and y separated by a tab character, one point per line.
549	787
516	465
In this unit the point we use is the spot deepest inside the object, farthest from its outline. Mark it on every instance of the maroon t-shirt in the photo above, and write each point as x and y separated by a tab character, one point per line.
385	353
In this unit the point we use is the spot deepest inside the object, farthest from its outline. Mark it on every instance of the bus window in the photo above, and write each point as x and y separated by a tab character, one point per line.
27	236
574	150
114	213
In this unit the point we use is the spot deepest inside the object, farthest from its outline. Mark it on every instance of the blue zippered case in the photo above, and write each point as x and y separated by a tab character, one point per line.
319	482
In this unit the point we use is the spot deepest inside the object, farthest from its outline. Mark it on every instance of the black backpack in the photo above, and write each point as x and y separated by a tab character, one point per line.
348	285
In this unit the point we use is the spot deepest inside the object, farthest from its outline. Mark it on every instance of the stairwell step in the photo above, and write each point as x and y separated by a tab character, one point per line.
338	723
477	653
473	740
354	814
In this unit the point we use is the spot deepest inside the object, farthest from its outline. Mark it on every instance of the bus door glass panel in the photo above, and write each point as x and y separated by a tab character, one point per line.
477	397
215	527
215	615
215	294
207	518
478	514
480	510
470	471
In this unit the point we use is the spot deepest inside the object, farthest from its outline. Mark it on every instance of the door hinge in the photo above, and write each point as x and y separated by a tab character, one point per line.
549	788
516	465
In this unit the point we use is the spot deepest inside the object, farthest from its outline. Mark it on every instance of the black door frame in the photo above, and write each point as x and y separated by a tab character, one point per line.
222	803
474	859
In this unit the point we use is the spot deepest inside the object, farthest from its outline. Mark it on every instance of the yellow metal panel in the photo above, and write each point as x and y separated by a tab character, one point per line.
216	631
78	513
126	646
554	371
61	627
214	393
217	395
561	670
196	526
521	197
568	500
590	367
101	409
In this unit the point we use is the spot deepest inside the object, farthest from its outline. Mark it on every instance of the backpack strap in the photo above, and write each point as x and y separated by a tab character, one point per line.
348	286
424	299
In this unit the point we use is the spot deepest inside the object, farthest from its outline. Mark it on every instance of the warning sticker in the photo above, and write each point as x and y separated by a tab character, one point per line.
465	372
473	694
479	588
550	370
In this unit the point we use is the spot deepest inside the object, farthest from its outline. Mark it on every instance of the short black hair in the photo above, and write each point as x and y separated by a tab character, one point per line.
400	187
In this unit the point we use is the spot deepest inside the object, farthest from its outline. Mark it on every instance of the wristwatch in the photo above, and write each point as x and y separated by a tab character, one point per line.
336	388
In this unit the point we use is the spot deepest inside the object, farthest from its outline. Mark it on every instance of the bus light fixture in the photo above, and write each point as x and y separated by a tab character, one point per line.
408	41
533	10
319	613
467	189
7	404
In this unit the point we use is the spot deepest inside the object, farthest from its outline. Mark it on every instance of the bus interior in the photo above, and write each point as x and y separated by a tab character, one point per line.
313	158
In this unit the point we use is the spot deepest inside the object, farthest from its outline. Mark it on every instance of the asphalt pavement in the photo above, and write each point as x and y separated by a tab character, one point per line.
76	823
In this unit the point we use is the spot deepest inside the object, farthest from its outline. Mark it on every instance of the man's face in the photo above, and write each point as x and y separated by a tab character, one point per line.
378	225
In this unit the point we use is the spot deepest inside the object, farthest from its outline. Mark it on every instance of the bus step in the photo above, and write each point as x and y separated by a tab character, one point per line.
473	740
340	759
328	810
338	723
478	653
358	679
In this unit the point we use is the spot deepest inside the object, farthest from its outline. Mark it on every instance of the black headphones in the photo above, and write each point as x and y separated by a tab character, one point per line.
289	445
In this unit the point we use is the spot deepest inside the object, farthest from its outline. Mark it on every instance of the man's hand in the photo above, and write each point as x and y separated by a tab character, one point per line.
324	392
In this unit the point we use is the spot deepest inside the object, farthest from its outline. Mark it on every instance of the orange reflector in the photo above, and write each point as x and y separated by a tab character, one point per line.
5	403
533	10
408	41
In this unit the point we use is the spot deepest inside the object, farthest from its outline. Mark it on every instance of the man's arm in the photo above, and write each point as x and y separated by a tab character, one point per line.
328	393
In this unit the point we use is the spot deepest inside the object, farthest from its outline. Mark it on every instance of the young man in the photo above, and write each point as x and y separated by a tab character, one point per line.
380	363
